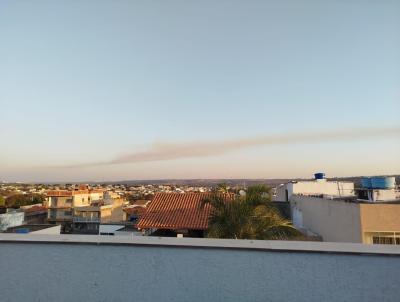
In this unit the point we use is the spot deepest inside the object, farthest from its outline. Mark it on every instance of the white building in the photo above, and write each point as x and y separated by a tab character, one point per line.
314	187
11	219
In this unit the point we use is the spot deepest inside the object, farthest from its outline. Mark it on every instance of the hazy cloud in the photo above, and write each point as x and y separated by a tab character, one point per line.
171	151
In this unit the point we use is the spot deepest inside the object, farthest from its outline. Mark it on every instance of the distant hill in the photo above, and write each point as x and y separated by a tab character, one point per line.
231	182
213	182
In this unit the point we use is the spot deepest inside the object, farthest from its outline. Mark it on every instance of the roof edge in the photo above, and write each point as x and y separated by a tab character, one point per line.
256	245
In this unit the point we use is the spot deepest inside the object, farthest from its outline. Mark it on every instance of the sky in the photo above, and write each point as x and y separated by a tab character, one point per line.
117	90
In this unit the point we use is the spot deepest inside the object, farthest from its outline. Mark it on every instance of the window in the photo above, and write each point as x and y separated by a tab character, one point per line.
92	227
53	201
386	238
52	214
382	240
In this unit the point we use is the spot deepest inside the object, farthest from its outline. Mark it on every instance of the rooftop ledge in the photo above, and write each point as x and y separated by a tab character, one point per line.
256	245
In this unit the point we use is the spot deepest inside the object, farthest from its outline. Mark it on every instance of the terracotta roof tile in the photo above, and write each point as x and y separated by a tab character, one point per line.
140	202
35	209
177	211
135	210
59	193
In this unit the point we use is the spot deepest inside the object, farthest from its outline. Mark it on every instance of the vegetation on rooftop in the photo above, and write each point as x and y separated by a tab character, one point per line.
252	216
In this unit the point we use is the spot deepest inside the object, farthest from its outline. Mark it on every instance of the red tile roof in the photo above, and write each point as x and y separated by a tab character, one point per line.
36	209
140	203
57	193
135	210
177	211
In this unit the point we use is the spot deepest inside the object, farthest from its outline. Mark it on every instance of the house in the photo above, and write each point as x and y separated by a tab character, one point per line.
170	214
135	210
35	214
319	185
357	219
87	219
60	203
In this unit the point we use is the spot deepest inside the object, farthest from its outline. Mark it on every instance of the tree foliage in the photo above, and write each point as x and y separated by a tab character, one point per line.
252	216
222	187
18	200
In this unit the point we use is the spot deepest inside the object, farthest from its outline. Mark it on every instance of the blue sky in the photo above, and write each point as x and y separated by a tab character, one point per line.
90	81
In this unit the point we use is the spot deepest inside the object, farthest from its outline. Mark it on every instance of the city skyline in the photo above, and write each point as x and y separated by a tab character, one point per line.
82	87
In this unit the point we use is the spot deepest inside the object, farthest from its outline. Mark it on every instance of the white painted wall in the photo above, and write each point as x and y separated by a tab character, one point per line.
8	220
383	195
333	220
55	230
324	187
96	196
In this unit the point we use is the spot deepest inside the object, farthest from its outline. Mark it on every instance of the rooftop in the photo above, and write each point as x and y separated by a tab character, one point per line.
140	203
230	244
121	268
35	209
177	211
87	209
353	199
60	193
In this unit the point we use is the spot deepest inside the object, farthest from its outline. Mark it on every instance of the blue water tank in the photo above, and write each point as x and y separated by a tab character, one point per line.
366	183
383	182
319	175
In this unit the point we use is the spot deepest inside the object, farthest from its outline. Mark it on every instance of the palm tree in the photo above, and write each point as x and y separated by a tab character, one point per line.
252	216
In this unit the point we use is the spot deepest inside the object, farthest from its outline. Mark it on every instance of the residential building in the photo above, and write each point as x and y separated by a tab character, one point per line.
112	210
367	220
35	214
320	185
61	203
11	218
87	219
176	213
135	210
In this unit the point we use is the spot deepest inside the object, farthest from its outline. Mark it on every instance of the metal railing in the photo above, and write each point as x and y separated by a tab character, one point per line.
85	219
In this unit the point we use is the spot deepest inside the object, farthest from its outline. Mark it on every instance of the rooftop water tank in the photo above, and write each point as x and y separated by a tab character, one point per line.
366	183
383	182
319	175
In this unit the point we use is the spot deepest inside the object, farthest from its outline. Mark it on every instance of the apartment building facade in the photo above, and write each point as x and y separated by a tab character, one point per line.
347	220
87	219
60	203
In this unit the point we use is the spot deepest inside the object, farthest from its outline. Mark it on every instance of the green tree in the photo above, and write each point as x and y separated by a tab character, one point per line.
222	187
18	200
252	216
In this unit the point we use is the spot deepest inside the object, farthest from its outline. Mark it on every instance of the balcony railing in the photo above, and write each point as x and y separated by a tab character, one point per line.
86	219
